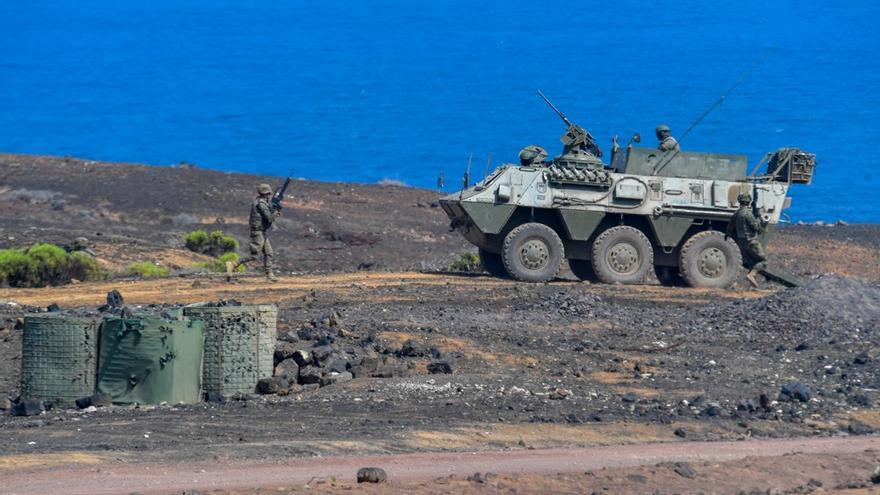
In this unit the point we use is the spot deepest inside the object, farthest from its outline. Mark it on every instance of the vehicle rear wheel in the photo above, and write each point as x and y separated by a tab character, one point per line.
532	252
582	269
492	264
709	260
622	255
668	276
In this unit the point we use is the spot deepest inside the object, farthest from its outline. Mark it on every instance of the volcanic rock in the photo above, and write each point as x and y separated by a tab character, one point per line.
371	475
439	367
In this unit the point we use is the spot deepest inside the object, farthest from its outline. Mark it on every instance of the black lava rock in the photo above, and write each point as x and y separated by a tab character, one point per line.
413	348
302	358
680	432
97	400
115	299
309	375
29	407
795	392
53	308
371	475
684	470
272	385
440	368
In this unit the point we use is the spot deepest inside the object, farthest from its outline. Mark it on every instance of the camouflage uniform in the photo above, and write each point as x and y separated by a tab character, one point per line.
261	218
666	141
746	229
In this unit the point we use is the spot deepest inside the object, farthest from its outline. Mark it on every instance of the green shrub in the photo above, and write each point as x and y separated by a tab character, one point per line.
84	267
46	264
146	269
17	269
466	262
219	264
214	244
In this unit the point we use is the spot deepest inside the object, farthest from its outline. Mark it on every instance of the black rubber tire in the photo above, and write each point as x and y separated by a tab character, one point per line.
492	264
668	276
709	260
622	255
583	270
532	252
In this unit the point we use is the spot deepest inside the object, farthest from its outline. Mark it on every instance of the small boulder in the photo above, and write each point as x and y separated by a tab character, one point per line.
309	375
215	397
287	369
5	404
97	400
795	392
684	470
29	407
680	432
338	365
273	385
413	348
333	378
440	368
371	475
875	476
284	350
53	308
302	358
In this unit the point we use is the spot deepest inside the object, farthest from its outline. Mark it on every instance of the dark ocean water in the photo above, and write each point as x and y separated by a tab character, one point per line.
363	91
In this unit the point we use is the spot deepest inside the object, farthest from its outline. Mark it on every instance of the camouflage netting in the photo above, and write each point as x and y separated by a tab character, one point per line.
239	346
59	357
150	361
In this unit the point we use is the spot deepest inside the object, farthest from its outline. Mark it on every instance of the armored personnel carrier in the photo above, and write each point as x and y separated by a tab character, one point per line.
614	222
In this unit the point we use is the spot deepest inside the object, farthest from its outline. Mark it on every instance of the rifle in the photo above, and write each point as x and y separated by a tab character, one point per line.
278	197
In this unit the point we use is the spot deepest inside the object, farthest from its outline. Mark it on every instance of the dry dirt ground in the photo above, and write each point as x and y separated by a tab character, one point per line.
563	364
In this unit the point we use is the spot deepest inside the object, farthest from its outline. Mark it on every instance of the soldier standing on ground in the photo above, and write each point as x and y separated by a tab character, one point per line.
261	218
746	229
665	139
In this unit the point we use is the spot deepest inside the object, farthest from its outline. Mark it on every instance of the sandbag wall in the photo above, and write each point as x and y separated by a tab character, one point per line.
59	357
239	345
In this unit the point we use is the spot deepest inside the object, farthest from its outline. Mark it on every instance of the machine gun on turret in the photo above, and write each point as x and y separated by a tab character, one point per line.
576	138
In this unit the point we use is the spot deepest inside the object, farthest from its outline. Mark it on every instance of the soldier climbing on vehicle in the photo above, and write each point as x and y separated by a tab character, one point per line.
665	139
263	214
746	230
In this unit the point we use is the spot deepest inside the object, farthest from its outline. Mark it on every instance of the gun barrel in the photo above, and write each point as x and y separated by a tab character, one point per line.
553	107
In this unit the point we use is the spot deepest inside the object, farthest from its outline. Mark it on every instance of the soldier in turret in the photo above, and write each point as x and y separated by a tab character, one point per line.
261	218
745	229
532	155
665	139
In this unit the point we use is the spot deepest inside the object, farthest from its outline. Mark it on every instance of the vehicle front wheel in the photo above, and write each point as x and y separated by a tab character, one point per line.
532	252
492	264
709	260
622	255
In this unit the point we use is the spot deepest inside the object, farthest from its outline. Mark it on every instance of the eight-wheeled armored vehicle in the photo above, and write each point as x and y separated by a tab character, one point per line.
645	209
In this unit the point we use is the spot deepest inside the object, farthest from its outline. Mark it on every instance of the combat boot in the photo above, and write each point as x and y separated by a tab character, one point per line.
271	277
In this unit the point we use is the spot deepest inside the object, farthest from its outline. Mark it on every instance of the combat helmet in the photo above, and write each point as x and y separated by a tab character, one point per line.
744	197
661	128
264	189
532	154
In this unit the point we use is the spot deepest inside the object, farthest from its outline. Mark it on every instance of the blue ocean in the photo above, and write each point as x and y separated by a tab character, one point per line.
371	90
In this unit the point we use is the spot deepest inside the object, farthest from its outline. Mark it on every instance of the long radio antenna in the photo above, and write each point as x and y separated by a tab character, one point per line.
714	105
